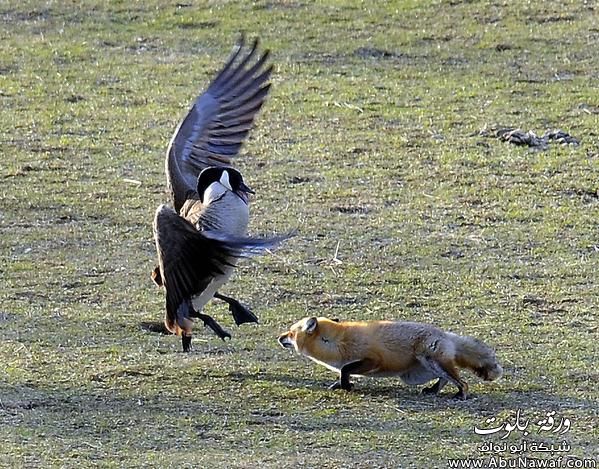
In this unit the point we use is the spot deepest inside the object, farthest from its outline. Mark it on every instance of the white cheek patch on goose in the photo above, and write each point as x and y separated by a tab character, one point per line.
224	180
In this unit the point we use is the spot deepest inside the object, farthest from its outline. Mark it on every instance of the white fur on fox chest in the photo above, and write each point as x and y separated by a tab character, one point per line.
416	375
334	366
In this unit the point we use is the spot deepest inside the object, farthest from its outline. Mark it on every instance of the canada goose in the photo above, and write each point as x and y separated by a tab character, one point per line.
200	240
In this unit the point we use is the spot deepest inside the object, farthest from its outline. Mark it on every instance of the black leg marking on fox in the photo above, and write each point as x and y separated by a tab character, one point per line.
357	367
435	388
335	385
239	312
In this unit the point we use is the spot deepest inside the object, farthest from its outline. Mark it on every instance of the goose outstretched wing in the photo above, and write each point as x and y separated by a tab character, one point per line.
213	131
189	259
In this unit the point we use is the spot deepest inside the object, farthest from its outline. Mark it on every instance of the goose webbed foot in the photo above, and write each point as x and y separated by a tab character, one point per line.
239	312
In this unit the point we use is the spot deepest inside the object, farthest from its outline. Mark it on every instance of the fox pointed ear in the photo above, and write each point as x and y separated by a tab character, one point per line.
310	325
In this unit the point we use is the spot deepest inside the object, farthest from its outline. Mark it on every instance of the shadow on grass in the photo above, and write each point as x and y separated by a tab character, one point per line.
74	412
408	398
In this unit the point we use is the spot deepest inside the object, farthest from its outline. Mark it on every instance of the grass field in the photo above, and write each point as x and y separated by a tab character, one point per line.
370	146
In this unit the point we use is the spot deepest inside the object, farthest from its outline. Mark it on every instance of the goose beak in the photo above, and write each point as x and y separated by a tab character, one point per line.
243	192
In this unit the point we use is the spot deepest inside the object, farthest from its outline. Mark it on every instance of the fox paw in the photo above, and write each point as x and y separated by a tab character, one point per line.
430	390
335	385
339	385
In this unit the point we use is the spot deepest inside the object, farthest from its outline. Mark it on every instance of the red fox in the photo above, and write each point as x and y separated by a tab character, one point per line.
416	352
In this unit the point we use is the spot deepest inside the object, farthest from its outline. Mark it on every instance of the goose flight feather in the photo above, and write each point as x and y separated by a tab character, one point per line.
214	129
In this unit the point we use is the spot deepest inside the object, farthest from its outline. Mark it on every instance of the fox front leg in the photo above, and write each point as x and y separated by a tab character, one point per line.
337	385
353	368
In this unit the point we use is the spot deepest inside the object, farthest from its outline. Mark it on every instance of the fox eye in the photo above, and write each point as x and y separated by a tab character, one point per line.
325	340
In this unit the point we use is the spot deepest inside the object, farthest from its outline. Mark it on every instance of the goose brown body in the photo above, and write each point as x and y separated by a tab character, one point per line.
200	239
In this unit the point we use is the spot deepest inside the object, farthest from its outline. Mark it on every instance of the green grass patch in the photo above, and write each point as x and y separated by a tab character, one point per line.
370	145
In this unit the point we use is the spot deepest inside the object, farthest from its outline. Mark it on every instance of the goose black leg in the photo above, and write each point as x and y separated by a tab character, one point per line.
211	323
186	342
239	312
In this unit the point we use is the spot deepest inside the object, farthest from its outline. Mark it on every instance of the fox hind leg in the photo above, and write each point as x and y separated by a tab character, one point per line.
435	388
447	371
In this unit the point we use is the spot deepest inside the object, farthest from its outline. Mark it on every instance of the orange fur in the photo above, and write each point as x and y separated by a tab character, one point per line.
416	352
